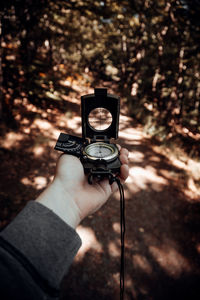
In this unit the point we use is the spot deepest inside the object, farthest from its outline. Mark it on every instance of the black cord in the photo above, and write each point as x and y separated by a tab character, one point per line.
122	224
113	178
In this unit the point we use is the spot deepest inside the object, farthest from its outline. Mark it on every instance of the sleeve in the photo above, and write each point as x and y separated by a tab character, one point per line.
36	250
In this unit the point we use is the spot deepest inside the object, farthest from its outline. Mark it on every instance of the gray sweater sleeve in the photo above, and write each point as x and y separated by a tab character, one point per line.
37	248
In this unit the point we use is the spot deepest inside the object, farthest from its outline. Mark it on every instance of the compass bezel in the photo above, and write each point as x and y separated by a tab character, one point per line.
112	147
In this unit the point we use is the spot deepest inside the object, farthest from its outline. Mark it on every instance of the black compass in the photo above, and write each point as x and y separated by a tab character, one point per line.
100	122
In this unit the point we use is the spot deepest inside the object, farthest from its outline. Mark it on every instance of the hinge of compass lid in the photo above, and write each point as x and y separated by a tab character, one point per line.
100	138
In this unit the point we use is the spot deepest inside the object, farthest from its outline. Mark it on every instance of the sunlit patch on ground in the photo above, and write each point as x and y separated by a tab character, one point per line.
75	125
172	262
89	241
189	175
11	139
42	124
38	150
116	227
39	182
76	86
139	178
113	250
141	262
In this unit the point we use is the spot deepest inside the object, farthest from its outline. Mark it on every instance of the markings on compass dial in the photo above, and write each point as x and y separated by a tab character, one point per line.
101	152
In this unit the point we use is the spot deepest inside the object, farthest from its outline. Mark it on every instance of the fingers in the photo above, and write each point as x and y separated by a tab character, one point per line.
118	146
124	156
124	170
124	151
114	187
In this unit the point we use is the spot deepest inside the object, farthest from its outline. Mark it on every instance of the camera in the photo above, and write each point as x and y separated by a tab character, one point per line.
100	123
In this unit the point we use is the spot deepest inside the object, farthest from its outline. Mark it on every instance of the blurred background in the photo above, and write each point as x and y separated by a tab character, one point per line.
148	53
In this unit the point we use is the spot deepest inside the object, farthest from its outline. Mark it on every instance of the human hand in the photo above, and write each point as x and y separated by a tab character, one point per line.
70	195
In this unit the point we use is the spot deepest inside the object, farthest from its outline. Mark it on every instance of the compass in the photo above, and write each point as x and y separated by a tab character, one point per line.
101	150
100	122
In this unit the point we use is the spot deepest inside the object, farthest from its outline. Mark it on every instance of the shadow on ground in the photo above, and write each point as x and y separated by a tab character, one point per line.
162	223
162	239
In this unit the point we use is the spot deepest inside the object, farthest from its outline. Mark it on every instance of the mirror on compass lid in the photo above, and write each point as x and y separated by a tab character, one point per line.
100	119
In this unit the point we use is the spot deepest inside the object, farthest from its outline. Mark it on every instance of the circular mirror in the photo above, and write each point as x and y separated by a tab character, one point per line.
100	118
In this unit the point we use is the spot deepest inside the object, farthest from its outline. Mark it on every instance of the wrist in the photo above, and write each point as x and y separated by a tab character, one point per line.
57	199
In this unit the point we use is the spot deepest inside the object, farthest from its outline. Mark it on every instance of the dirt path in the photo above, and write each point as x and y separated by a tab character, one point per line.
162	238
162	211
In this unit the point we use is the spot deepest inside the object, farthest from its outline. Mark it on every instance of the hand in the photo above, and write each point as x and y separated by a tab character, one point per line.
71	197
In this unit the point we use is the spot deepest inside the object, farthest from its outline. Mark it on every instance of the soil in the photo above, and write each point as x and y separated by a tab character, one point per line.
162	242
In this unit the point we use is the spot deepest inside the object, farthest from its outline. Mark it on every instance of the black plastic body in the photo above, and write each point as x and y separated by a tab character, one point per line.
70	144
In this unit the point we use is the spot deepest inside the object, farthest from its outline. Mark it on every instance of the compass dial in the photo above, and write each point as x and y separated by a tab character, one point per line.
101	150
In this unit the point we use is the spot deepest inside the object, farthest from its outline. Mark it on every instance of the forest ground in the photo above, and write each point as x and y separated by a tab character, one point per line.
162	243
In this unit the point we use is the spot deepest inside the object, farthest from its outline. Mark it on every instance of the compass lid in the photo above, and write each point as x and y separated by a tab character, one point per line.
95	105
